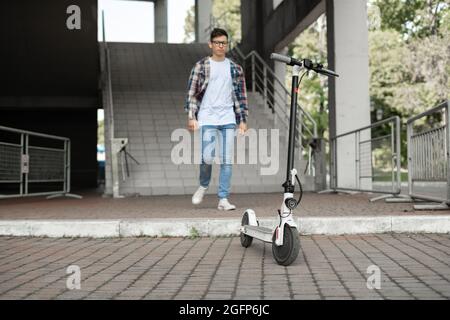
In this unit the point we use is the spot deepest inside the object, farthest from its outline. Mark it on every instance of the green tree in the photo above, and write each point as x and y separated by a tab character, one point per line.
189	25
101	132
226	14
409	58
412	18
313	97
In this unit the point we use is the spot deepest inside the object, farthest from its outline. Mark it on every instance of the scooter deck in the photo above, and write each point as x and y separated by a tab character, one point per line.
261	233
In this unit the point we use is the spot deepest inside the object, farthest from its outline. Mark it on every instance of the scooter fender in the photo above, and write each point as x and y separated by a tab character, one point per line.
251	217
279	230
285	218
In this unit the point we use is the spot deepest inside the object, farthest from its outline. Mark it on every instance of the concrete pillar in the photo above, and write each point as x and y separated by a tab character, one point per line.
349	104
320	165
161	21
203	13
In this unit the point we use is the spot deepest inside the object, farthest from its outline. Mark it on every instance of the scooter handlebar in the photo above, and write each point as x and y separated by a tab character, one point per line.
305	63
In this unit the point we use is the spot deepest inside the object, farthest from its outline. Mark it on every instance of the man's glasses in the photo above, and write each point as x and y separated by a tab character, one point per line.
220	43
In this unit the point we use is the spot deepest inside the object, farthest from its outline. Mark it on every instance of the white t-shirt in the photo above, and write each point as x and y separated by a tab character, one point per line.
217	107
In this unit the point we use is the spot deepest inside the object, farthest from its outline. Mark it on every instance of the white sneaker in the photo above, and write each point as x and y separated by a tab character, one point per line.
225	205
197	198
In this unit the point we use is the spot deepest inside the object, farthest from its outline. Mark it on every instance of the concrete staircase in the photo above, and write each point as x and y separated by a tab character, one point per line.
149	84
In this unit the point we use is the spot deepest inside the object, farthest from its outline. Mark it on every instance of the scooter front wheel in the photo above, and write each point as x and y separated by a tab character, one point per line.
288	252
246	240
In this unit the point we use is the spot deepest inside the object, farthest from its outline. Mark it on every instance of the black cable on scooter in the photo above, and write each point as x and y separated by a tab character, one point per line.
300	80
296	176
301	190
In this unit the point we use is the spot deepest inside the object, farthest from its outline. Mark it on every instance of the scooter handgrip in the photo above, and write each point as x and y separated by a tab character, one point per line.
327	72
280	58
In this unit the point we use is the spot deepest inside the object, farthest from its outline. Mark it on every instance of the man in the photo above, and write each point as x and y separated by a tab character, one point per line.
216	102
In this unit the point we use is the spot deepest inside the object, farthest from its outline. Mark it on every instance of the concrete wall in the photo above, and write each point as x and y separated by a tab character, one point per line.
161	21
203	11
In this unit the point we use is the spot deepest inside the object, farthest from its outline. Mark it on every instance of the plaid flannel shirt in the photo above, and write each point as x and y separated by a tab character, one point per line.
198	82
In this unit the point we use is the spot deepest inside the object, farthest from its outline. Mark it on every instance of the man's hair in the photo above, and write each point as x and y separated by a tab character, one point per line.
217	32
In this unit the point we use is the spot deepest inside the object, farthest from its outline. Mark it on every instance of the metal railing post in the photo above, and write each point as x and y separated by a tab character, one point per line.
447	146
411	168
27	173
265	84
68	165
398	155
253	74
357	161
65	167
22	147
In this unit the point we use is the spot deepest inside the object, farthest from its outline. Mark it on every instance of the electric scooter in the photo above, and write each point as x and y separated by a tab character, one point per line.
285	236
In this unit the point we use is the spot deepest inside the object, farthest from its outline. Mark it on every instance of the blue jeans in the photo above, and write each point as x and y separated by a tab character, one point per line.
209	134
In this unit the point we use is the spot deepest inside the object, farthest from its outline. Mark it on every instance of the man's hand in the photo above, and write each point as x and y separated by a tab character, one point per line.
242	128
192	125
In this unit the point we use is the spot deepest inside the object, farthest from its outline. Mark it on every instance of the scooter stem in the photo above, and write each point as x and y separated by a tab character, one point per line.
288	186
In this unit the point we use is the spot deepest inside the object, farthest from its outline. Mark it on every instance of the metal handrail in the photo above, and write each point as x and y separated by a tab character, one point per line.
32	133
275	77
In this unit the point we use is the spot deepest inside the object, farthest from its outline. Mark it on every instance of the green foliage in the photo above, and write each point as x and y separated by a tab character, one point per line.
409	71
189	25
409	58
412	18
101	133
193	233
226	15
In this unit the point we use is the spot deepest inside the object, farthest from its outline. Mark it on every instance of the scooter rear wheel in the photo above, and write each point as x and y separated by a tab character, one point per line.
246	240
288	252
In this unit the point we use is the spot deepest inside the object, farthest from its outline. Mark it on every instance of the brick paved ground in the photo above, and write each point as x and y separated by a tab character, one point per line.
414	266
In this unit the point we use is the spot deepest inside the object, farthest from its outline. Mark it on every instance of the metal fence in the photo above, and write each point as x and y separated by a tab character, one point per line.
372	159
428	155
33	164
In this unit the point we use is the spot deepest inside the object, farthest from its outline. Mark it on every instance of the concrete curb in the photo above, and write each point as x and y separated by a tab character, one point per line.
184	227
60	228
